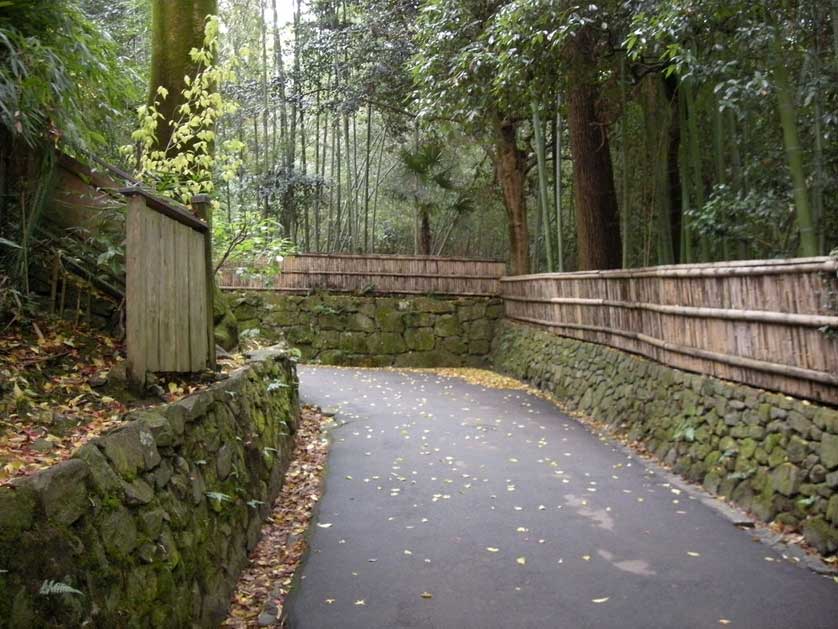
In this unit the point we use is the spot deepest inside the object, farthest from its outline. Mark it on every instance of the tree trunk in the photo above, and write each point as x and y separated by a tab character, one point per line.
670	86
557	183
697	169
510	169
424	231
176	28
791	138
657	122
597	217
625	231
540	152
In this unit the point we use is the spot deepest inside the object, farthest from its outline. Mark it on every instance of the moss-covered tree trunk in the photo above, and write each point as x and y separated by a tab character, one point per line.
177	28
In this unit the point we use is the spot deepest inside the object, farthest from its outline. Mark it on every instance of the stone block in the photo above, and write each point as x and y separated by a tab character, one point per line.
104	480
421	339
448	325
389	319
829	450
821	535
436	306
353	342
786	479
119	532
18	503
62	491
386	343
797	449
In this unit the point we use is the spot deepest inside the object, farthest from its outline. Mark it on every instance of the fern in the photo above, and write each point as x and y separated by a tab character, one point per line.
217	495
56	587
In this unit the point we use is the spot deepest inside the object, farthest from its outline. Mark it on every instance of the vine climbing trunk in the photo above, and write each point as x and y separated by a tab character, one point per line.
177	28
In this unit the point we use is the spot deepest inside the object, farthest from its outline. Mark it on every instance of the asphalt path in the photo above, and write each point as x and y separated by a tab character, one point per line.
450	505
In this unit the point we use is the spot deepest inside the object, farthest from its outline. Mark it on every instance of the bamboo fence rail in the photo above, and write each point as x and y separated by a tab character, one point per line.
375	274
766	323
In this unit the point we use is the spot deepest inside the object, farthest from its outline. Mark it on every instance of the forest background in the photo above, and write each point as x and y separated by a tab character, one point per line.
552	134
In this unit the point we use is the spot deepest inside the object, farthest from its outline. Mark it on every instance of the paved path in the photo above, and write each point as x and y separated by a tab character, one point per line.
511	515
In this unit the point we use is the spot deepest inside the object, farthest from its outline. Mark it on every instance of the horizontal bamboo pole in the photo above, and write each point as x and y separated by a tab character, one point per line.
735	361
761	316
302	290
764	267
385	256
392	274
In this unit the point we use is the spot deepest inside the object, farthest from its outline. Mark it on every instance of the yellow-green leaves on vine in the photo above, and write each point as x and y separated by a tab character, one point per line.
193	160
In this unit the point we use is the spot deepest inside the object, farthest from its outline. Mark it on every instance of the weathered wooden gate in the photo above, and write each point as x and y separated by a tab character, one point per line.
168	287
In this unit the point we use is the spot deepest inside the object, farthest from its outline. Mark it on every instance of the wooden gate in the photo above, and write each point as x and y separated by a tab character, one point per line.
168	287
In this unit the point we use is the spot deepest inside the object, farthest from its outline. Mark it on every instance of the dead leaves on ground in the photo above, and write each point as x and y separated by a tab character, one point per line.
282	546
50	396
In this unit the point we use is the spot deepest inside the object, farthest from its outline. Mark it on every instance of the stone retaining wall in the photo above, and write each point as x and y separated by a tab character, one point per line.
152	522
771	454
372	331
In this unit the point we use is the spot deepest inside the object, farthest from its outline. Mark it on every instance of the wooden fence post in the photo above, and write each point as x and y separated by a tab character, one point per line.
202	206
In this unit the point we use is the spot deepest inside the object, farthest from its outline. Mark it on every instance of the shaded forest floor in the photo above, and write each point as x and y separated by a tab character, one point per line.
62	384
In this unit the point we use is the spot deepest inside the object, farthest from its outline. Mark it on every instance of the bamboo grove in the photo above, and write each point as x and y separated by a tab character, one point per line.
552	134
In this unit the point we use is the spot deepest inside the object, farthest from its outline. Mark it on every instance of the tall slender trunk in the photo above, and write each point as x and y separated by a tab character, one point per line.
557	182
686	230
377	185
818	184
318	191
670	87
791	139
540	153
338	181
279	71
737	175
367	180
657	122
625	232
510	169
695	163
349	191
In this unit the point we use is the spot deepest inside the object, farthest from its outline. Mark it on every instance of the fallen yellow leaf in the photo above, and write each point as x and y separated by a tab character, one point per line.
599	600
521	561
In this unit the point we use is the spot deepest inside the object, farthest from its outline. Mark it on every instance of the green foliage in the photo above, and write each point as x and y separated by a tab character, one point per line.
191	163
58	74
249	241
49	587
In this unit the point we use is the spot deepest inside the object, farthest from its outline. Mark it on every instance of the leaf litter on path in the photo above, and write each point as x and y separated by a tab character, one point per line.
278	554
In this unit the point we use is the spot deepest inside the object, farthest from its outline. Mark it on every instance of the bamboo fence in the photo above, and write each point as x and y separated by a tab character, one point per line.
375	274
168	290
767	323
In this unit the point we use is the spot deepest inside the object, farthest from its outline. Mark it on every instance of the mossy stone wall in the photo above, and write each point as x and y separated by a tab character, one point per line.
153	521
373	331
769	453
